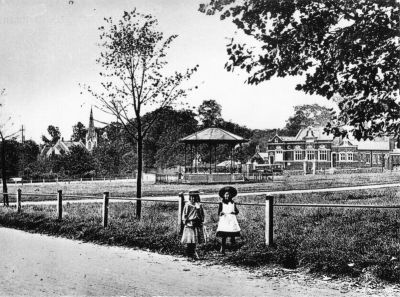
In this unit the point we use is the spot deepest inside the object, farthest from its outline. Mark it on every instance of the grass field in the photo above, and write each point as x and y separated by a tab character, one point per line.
128	189
333	241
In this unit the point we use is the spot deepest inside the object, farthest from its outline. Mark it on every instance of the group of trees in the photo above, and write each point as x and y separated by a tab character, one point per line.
115	154
348	50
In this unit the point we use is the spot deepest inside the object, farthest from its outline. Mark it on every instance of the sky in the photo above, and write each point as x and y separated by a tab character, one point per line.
48	50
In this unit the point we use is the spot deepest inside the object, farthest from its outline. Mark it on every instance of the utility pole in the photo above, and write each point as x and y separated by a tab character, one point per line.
22	134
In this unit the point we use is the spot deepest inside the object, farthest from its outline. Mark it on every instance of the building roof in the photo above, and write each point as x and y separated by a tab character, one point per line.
60	147
372	145
213	135
227	163
316	132
262	155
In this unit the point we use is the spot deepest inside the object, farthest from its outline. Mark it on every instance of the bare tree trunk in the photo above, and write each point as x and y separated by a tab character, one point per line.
3	172
139	175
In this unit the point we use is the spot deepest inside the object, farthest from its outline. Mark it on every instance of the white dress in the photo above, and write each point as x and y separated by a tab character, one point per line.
228	224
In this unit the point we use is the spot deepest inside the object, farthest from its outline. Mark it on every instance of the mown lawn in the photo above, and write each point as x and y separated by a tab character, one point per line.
325	240
128	188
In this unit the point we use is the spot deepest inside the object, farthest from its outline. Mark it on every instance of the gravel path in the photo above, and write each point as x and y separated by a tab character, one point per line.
39	265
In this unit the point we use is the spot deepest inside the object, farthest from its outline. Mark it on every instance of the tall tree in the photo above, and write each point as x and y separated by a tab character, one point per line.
133	59
28	154
308	115
79	132
6	134
54	133
210	113
344	49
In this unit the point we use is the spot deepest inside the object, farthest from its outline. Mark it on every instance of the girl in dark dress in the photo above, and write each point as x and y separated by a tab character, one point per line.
192	218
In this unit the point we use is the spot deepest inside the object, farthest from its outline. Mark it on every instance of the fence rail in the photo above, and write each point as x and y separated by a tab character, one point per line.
268	198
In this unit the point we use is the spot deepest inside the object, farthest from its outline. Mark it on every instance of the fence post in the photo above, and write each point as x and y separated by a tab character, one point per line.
269	220
59	204
19	200
105	209
181	203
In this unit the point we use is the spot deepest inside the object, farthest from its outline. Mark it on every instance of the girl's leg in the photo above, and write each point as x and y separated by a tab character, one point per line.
190	249
223	245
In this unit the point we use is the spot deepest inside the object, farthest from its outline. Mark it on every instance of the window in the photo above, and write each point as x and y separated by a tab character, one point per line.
323	155
376	159
342	156
350	157
310	155
298	155
278	156
367	158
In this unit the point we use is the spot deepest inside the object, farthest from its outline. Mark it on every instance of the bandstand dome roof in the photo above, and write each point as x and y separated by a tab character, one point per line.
213	136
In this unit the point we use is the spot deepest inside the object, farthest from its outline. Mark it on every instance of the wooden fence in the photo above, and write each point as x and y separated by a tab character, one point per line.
268	205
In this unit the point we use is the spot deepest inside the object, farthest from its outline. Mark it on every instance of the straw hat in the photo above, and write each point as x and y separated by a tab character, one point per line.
232	191
194	192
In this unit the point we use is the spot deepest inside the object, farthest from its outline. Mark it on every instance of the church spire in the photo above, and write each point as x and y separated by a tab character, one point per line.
91	136
91	130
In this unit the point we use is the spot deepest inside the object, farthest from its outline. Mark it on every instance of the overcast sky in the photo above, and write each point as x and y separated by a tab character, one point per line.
48	47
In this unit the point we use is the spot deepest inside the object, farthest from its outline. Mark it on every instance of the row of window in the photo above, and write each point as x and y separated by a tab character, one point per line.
346	157
310	155
323	155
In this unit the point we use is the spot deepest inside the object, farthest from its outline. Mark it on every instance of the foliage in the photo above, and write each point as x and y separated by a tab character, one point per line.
345	49
162	146
78	162
79	132
110	151
307	115
133	60
210	113
28	152
11	148
54	133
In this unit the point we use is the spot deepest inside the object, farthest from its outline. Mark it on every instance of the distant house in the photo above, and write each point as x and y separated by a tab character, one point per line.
60	148
311	150
64	147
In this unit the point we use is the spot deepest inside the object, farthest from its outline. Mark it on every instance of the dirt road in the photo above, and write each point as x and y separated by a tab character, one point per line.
38	265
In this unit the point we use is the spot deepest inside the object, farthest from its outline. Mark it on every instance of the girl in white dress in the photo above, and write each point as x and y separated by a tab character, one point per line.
228	225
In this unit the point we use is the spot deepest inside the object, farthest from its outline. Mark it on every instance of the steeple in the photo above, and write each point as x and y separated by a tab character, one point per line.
91	136
91	129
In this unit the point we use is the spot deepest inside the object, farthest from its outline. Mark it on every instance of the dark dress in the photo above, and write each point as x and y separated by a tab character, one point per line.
193	218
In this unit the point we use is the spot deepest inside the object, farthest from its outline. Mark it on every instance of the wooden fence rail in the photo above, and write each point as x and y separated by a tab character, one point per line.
268	204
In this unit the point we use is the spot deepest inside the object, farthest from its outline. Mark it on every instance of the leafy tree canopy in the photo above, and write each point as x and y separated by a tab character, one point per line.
54	133
307	115
133	61
79	132
210	113
344	49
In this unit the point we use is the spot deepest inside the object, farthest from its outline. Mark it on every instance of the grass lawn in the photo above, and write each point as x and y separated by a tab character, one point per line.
128	189
325	240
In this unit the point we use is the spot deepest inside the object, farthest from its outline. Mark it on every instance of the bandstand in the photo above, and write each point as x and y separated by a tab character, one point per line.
212	137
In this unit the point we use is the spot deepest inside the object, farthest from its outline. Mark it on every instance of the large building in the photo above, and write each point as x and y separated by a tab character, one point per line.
312	150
